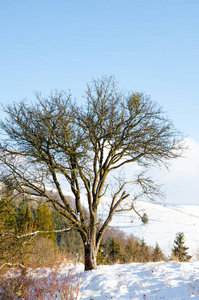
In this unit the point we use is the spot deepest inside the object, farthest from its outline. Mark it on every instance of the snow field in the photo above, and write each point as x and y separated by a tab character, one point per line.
161	280
164	222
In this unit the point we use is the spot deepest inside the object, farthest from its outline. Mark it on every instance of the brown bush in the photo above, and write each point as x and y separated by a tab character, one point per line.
51	286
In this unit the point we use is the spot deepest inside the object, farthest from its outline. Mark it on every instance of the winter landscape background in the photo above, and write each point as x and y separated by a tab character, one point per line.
152	280
149	46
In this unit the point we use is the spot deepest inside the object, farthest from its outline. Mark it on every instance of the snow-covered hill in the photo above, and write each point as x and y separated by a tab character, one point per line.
164	222
153	280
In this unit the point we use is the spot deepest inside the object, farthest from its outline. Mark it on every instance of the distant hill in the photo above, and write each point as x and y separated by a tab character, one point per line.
164	222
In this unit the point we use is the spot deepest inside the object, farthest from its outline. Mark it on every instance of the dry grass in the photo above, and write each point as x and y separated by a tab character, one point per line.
50	285
42	253
39	275
45	253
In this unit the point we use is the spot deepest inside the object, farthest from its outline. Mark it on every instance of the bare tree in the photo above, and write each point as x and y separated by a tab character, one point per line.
54	140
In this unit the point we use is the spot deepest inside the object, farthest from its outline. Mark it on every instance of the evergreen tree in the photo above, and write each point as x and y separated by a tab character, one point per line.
143	245
43	218
29	220
7	215
101	259
145	218
60	222
113	250
24	218
122	257
157	253
7	231
179	250
69	242
144	251
15	220
130	250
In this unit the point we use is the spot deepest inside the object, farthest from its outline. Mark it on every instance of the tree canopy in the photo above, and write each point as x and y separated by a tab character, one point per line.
55	140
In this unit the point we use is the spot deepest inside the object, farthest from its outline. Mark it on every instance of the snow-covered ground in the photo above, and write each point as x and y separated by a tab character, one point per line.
154	280
164	222
171	280
160	280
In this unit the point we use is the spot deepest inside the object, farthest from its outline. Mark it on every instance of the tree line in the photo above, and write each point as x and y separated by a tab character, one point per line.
19	218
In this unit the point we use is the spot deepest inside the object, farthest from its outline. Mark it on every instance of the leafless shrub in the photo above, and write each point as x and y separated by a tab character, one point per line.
51	285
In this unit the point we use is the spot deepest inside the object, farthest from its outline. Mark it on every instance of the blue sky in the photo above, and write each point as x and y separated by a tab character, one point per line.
149	45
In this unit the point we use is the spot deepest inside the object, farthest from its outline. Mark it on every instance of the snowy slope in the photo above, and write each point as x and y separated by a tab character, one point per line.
161	280
153	280
164	222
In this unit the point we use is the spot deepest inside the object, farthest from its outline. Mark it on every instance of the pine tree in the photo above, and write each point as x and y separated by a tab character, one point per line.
144	254
179	250
130	250
7	231
28	220
145	218
44	219
16	220
69	242
7	215
113	250
157	253
122	257
24	219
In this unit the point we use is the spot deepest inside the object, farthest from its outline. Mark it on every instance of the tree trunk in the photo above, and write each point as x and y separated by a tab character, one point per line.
90	255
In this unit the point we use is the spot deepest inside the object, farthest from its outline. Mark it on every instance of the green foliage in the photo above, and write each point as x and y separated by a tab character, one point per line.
7	215
134	102
7	229
145	218
24	218
130	250
16	219
100	254
69	242
127	250
179	250
157	253
114	250
44	219
19	218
